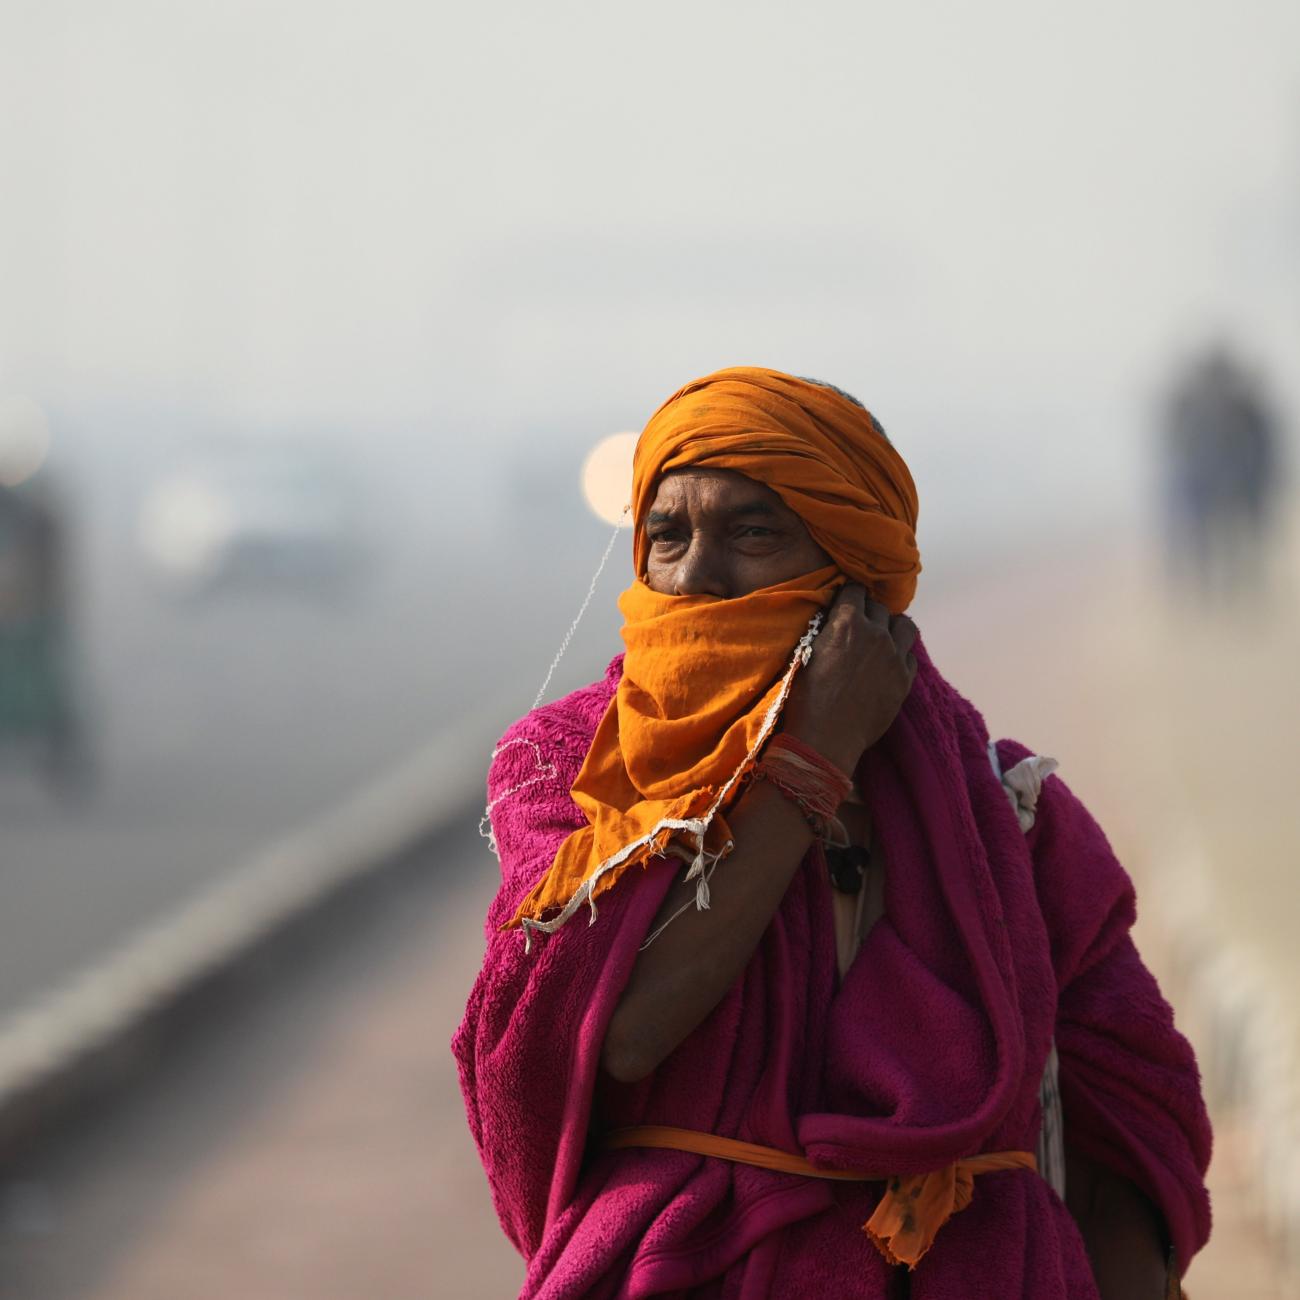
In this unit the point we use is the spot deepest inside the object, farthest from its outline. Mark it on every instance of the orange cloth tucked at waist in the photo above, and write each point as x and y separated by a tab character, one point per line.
911	1212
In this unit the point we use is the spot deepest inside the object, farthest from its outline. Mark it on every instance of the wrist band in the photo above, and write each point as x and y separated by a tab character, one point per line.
808	779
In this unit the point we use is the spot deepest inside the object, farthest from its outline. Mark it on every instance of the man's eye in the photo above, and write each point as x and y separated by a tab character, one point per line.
757	530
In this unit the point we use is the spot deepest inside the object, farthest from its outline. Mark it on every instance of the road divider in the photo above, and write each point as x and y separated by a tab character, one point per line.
46	1045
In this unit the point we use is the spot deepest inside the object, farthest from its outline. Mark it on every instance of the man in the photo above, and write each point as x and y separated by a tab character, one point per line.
804	1044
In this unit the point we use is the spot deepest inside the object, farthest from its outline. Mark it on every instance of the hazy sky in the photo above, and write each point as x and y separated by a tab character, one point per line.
992	221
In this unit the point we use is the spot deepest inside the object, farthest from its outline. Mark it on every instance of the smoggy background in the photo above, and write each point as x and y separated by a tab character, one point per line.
309	317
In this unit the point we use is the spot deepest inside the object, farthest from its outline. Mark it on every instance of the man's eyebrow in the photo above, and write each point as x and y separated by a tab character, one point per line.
659	517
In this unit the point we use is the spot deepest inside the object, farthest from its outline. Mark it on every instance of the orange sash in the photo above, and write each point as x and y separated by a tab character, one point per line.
911	1212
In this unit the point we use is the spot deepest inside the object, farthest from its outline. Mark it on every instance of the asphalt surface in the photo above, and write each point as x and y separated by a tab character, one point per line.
306	1140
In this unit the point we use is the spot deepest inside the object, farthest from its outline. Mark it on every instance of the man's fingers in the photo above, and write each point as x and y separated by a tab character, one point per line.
903	630
900	628
850	597
876	612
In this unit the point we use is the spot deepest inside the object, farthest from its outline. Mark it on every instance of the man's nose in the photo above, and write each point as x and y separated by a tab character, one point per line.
701	572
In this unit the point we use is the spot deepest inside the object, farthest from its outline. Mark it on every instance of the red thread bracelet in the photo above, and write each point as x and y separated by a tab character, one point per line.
807	778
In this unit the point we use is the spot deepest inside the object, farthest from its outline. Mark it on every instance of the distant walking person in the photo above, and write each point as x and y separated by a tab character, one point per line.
1221	478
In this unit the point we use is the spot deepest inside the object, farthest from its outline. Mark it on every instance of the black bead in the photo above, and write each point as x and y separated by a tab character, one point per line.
848	867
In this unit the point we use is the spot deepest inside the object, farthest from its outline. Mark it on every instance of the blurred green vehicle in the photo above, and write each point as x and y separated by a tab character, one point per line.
40	714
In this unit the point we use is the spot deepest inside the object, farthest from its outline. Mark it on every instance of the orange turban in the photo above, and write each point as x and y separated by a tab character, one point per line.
821	453
704	679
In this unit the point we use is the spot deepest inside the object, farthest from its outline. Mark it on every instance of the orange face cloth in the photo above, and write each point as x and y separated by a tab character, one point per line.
704	679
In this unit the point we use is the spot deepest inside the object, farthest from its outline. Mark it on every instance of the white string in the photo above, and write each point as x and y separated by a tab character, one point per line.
700	906
546	770
591	591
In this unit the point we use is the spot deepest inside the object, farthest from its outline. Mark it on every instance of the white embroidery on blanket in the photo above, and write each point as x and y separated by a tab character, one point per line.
545	772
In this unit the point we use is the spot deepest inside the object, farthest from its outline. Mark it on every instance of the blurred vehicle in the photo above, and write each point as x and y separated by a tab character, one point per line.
253	517
41	711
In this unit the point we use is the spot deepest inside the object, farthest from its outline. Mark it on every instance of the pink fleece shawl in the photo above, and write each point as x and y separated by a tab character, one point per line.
930	1049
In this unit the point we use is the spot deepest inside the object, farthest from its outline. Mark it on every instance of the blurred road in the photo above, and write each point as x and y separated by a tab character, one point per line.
312	1144
308	1144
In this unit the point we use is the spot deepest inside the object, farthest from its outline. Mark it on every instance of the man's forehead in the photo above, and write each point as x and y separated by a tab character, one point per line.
727	489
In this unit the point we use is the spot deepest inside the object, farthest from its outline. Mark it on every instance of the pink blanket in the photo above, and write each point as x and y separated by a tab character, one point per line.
930	1049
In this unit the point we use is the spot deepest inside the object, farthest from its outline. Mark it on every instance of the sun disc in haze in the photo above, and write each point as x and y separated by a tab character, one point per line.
607	478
